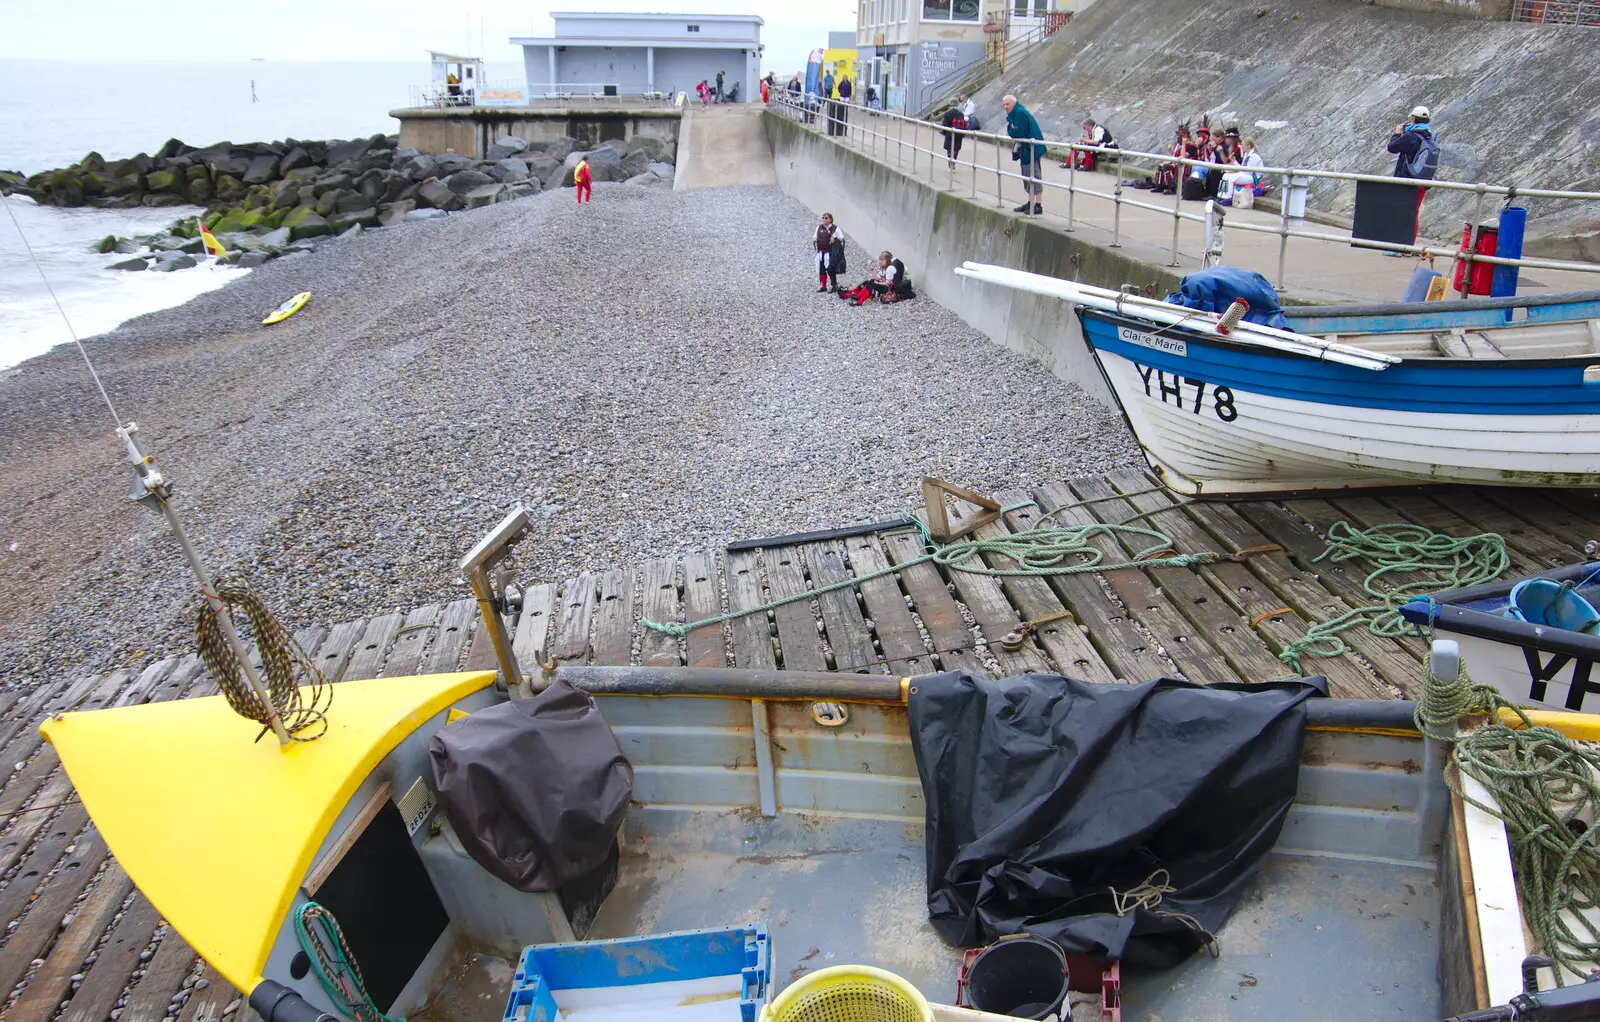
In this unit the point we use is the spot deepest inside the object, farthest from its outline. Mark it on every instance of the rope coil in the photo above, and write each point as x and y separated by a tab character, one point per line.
282	660
1148	894
1546	789
323	942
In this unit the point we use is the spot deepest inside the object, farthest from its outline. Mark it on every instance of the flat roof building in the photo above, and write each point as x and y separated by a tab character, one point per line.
644	54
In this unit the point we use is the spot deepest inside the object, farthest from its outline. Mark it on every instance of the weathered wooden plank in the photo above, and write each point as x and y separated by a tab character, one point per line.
954	641
889	618
52	981
105	980
1412	508
613	618
1191	650
1057	628
841	610
21	785
708	646
1252	604
28	712
163	977
25	825
577	603
145	684
658	589
211	996
752	633
53	839
455	629
1536	505
333	655
369	652
43	921
185	677
533	627
405	658
1550	534
799	640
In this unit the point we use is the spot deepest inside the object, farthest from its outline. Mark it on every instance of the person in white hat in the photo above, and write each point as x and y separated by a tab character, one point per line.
1416	155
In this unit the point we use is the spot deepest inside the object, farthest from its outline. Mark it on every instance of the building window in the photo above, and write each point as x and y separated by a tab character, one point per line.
694	28
951	10
1033	8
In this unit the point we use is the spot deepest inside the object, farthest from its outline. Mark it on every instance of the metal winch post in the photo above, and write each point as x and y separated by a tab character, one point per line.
490	551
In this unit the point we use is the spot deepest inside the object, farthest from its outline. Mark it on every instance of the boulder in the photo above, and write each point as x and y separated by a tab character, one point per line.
450	163
541	166
167	181
304	222
162	199
200	191
651	147
486	195
258	197
636	163
407	153
507	170
332	182
250	260
275	241
136	263
560	148
438	195
262	169
237	220
128	246
92	161
645	179
228	188
228	163
619	145
507	145
170	148
351	201
418	168
127	184
520	189
561	177
465	181
93	183
65	188
340	223
665	171
139	163
105	244
344	152
607	171
354	230
283	195
294	159
382	141
178	261
329	201
194	246
393	212
303	175
426	214
394	186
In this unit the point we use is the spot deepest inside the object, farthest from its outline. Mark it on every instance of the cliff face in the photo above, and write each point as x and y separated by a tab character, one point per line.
1321	83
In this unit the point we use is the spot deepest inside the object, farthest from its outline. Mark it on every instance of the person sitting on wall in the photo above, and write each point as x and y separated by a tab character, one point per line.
1095	135
1225	154
1183	148
889	284
1248	178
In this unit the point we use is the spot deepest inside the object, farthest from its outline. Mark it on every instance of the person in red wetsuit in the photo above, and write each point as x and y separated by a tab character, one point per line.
582	177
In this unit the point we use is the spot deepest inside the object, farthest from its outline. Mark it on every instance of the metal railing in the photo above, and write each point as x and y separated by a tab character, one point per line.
1557	12
972	76
483	93
880	131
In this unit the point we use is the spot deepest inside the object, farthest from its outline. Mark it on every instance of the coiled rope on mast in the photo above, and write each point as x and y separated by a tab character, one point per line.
286	666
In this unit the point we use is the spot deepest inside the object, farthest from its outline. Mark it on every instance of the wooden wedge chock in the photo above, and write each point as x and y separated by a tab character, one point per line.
933	494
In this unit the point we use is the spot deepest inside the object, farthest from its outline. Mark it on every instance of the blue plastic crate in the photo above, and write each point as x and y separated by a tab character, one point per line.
599	966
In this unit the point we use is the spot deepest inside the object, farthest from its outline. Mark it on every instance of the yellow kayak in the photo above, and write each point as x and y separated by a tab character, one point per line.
287	309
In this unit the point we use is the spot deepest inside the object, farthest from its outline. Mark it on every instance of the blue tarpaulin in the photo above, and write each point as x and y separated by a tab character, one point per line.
1215	289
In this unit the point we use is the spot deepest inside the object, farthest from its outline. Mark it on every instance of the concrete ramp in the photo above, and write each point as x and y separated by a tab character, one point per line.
723	145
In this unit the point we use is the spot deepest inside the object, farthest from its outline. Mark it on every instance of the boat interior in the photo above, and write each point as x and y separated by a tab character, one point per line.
1540	340
801	815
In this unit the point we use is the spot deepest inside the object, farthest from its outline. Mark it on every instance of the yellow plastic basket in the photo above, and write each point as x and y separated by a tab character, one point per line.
849	993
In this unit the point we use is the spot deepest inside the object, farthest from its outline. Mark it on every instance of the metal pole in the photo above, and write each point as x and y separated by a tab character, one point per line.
490	613
1472	247
1283	227
1177	207
899	140
999	181
972	158
224	620
1116	211
1072	182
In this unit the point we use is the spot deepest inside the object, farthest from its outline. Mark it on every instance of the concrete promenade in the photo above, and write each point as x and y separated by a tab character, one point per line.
1314	271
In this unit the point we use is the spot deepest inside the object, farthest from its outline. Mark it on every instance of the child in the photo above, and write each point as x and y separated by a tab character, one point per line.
584	180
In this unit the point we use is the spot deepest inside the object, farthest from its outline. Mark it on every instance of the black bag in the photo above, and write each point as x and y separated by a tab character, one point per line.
836	263
535	789
1194	187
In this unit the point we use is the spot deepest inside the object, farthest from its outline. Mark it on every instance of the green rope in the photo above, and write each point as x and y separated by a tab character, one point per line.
1541	781
323	942
1038	553
1397	549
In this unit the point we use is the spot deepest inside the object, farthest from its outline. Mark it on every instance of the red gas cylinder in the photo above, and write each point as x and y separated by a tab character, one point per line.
1482	273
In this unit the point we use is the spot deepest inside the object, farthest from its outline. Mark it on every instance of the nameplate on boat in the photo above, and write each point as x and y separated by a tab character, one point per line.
416	805
1170	345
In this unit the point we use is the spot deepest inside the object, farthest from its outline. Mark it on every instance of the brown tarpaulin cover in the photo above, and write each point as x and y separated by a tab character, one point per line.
535	788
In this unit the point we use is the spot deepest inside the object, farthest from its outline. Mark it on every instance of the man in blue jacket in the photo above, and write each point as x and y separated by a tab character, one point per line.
1020	124
1416	157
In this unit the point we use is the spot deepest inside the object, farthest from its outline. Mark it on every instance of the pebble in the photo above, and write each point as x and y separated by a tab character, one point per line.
670	346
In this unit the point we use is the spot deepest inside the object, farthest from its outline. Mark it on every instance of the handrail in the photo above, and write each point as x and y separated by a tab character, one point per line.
953	81
870	139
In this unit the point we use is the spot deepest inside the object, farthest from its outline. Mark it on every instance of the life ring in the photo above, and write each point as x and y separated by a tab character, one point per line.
287	309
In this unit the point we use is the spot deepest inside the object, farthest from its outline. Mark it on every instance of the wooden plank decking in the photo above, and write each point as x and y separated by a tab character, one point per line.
100	945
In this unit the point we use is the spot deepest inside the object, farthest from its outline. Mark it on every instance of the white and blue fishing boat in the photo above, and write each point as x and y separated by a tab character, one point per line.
1224	409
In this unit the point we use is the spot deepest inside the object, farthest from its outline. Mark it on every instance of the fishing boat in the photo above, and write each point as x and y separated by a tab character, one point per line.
779	831
1222	409
1536	639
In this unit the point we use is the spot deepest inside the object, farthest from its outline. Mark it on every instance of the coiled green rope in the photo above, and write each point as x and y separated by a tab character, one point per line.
1545	790
323	942
1398	549
1038	553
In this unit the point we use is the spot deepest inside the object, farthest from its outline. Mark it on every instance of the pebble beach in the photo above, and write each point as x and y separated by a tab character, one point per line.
648	374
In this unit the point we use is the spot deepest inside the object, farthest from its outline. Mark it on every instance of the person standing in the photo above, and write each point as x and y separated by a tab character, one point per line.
583	178
1416	157
827	84
720	76
954	125
765	95
969	111
1021	126
845	89
822	242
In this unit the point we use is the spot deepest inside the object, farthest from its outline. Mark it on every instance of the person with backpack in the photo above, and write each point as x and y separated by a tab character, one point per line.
1095	135
889	284
823	242
721	76
1416	156
954	124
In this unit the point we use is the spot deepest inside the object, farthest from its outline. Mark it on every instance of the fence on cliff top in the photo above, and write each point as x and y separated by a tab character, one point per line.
853	124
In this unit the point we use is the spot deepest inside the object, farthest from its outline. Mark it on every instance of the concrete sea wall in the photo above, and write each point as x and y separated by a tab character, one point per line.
1320	83
472	131
934	232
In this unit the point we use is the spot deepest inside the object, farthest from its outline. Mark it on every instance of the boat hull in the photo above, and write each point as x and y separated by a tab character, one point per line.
1218	418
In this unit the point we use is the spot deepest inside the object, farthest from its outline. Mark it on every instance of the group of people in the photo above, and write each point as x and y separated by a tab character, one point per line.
710	93
888	283
1227	164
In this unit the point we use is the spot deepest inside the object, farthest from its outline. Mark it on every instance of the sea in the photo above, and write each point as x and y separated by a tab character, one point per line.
58	111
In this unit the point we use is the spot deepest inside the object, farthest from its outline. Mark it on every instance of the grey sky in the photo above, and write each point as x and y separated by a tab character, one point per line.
357	29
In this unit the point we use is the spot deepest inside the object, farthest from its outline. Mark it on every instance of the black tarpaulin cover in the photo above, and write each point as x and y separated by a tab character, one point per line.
1045	793
534	788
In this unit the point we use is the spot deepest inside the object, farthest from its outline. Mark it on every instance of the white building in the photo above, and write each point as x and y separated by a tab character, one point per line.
635	54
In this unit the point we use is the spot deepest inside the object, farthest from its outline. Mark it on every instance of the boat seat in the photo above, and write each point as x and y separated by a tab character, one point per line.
1461	343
